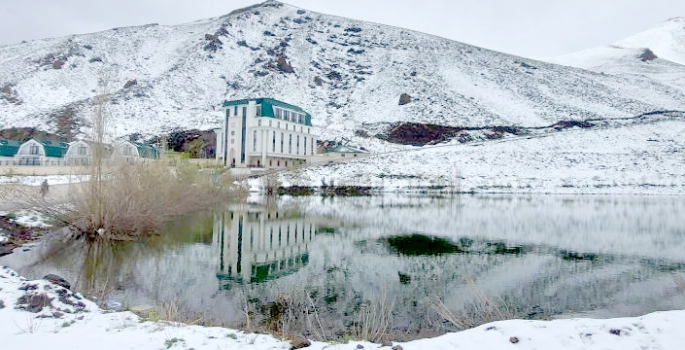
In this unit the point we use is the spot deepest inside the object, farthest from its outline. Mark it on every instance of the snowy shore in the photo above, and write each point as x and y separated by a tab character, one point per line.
38	314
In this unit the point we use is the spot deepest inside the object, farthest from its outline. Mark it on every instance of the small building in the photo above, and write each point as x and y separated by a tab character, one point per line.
133	152
79	153
339	152
41	152
264	133
8	149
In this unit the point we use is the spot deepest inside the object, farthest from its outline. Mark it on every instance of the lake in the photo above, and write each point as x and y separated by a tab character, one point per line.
334	266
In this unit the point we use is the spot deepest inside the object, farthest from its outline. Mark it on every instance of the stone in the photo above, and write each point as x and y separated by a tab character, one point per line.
615	331
405	99
2	304
54	279
299	342
34	303
513	340
397	347
57	314
359	346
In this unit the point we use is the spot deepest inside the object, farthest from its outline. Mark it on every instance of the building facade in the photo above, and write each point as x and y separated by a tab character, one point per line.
133	152
264	133
41	152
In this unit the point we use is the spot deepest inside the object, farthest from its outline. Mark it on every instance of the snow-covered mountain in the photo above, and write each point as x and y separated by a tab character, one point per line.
657	54
345	72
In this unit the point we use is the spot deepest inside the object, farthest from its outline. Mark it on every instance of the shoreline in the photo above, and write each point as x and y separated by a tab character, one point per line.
35	314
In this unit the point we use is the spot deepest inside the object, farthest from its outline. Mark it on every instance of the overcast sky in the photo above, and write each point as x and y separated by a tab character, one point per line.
533	28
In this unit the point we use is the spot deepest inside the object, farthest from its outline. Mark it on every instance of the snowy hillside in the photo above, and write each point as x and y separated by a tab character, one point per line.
657	54
345	72
667	40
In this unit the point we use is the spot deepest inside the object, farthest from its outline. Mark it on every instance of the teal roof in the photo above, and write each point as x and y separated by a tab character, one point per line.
343	149
9	148
54	149
267	107
146	151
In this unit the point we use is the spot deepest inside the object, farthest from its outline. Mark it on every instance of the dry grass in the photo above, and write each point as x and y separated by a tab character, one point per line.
373	319
679	284
484	309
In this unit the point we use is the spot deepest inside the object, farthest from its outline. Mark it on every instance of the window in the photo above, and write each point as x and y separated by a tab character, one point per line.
281	142
259	111
305	146
232	132
278	124
259	122
33	149
312	141
235	111
309	130
269	123
82	151
279	113
128	150
290	143
297	149
254	140
286	115
301	129
244	111
301	119
232	140
273	144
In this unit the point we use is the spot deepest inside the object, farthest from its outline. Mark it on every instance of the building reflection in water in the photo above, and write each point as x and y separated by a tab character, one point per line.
258	245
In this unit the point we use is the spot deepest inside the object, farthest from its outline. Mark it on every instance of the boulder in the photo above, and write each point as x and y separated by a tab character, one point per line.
54	279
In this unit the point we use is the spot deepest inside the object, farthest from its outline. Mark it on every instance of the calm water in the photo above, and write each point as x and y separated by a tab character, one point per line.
541	256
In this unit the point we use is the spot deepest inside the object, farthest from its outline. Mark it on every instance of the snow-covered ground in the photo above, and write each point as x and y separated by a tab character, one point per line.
61	319
27	218
632	159
37	180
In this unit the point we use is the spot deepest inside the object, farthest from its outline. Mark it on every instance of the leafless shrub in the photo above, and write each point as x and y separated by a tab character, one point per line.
373	319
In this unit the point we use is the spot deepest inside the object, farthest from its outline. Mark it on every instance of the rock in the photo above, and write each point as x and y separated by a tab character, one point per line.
34	303
405	99
54	279
615	331
359	346
130	83
142	310
2	304
57	314
300	342
397	347
283	65
513	340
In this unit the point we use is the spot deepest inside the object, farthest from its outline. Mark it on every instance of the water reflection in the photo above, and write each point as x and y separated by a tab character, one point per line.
258	245
547	256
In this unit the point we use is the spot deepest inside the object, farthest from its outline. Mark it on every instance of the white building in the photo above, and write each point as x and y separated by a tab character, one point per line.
133	152
264	133
41	152
79	153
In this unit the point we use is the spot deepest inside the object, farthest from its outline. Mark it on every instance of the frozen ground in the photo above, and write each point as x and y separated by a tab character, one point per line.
39	315
644	158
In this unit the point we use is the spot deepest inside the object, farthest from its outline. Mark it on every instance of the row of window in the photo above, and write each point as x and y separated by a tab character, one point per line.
255	140
279	113
289	115
278	125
